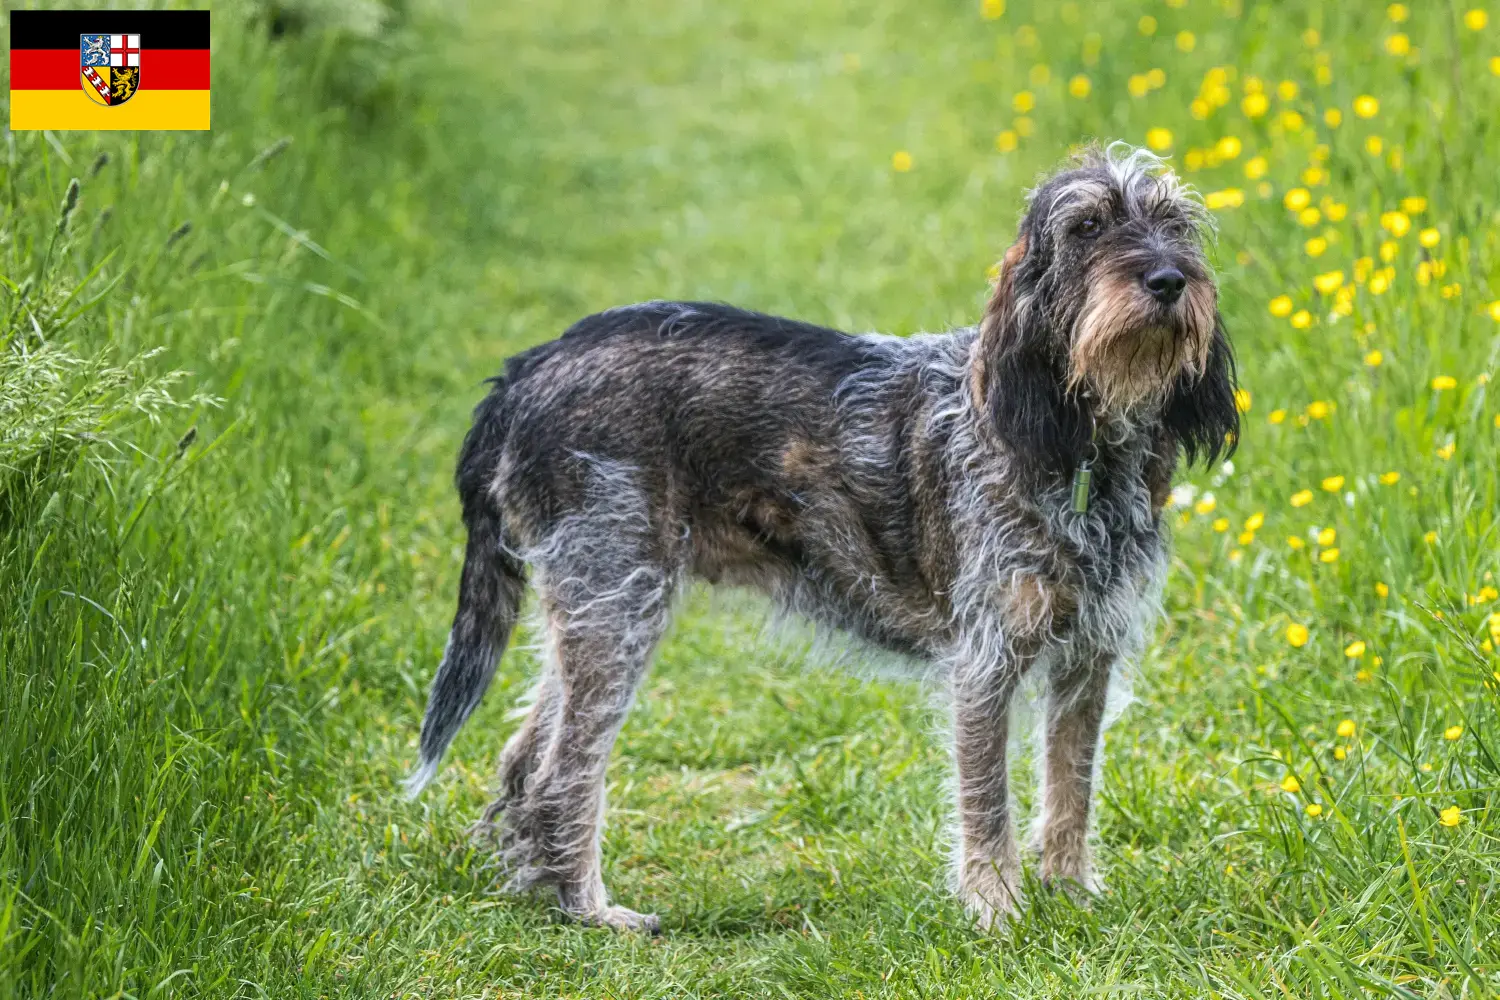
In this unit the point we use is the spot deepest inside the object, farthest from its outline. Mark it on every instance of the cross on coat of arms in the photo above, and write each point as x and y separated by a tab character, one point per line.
111	67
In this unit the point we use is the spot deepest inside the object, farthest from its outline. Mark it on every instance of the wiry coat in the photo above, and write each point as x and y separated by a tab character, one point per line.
915	492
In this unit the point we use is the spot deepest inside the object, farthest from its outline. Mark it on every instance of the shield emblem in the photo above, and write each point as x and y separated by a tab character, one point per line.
110	66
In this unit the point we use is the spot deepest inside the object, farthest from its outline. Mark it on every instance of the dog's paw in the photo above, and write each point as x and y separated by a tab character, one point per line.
1081	889
990	898
619	918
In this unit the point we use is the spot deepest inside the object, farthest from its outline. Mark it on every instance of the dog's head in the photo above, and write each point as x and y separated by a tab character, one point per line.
1106	307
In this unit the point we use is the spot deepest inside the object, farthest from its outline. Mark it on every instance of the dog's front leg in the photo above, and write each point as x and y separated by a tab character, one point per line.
1076	696
987	869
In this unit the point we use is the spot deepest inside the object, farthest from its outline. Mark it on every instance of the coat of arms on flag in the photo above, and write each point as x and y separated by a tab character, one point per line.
111	64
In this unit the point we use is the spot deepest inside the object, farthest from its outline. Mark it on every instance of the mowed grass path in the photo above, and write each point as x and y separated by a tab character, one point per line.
200	792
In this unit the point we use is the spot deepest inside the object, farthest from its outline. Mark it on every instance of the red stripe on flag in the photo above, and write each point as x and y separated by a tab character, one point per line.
59	69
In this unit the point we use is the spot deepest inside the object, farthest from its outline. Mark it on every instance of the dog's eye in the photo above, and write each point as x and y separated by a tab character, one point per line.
1090	226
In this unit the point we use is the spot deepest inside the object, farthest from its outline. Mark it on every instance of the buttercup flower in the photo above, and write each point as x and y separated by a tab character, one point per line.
1301	319
1442	382
1295	543
1328	556
1301	498
1080	86
1254	521
1256	167
1333	484
1346	728
1159	139
1314	810
1024	101
1366	106
901	161
1452	733
1429	237
991	10
1281	306
1374	359
1242	400
1255	105
1451	816
1354	651
1290	782
1390	478
1327	536
1398	44
1381	590
1476	19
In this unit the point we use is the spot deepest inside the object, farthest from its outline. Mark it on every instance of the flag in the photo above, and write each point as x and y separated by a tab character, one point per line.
116	69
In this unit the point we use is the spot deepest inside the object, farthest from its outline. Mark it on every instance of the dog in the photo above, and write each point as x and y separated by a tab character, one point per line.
988	501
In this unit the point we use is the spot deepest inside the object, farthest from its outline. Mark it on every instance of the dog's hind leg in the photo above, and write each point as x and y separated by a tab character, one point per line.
601	637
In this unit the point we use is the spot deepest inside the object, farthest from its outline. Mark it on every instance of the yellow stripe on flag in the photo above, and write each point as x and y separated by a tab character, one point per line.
73	109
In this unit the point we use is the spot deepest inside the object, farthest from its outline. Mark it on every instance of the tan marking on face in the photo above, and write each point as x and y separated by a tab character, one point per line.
1122	352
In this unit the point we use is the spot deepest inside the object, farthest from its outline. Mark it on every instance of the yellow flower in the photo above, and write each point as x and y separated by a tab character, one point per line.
1396	12
1297	199
1317	409
1494	310
1339	753
1366	106
1246	537
1242	400
1080	86
1429	237
1221	524
1354	651
1451	816
1327	536
901	161
1228	147
1255	105
1476	19
1430	538
1446	451
1295	543
1495	65
1138	85
1452	733
1281	306
1381	590
1328	282
1227	198
1361	675
1291	121
1442	382
1374	359
1332	485
1328	555
1277	416
1290	782
1301	498
1333	117
1186	41
1006	141
1256	167
1146	25
1024	101
1390	478
1399	223
1314	810
1309	216
1414	205
1388	250
1346	728
1254	521
992	10
1301	319
1316	245
1398	45
1159	139
1206	505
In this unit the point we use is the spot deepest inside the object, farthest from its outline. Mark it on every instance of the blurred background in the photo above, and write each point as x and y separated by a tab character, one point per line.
235	368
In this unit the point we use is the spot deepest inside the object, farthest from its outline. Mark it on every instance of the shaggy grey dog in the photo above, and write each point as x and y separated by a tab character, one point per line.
987	500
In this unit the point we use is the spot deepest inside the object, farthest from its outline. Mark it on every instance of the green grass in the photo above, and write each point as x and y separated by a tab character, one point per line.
214	647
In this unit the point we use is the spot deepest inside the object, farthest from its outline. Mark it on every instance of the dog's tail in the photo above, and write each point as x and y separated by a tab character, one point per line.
489	593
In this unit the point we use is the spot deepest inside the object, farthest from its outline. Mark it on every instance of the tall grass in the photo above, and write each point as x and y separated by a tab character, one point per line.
232	384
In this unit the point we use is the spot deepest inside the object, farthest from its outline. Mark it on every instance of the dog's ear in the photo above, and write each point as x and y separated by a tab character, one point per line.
1201	413
1016	378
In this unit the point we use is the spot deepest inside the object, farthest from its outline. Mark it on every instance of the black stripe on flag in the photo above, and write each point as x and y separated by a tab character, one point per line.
59	29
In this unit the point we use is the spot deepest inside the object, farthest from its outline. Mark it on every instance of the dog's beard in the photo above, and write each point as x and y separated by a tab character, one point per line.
1129	350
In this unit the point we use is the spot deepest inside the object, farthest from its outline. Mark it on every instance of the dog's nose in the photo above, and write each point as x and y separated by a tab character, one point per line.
1165	284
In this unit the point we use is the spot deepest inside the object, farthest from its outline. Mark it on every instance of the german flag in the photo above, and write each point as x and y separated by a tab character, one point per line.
116	69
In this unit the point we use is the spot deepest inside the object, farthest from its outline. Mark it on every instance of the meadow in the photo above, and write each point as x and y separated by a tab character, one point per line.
235	368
